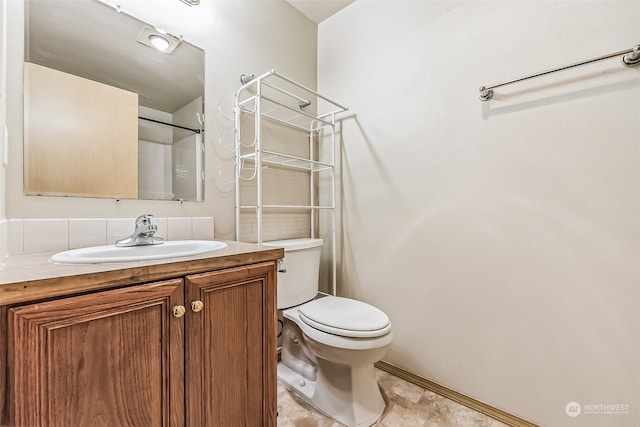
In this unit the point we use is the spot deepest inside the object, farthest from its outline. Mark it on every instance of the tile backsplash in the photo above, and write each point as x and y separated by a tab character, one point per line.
43	235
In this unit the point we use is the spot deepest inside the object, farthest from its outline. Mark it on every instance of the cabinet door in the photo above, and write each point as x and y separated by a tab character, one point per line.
231	347
112	358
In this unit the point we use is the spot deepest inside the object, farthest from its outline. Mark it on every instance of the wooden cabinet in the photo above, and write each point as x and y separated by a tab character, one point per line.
121	357
109	358
231	347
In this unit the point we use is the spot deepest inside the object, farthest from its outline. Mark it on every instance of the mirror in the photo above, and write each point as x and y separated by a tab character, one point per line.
106	113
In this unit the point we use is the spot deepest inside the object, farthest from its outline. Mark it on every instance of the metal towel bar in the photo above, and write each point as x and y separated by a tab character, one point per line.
631	58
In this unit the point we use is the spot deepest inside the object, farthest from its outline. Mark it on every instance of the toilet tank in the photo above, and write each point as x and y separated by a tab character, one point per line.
298	274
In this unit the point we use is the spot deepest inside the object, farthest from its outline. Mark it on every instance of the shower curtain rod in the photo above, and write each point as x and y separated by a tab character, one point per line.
630	59
170	124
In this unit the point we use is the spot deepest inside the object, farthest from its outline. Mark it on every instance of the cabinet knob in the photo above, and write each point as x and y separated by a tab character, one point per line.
196	306
178	311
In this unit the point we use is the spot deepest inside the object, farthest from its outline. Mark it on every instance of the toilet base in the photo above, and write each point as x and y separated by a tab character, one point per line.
347	394
293	381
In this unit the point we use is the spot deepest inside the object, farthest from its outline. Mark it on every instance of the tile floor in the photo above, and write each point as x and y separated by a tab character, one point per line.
407	405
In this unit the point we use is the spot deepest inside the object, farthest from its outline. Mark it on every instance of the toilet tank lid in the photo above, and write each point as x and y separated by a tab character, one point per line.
294	244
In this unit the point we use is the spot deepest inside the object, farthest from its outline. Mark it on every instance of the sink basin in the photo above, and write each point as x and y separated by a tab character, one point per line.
111	253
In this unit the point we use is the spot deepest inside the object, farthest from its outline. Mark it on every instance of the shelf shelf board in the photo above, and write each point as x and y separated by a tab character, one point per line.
277	112
287	161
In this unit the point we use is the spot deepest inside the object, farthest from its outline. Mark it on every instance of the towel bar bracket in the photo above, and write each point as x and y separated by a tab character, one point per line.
633	58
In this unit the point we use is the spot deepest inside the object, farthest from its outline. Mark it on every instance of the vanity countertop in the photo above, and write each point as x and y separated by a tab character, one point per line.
28	277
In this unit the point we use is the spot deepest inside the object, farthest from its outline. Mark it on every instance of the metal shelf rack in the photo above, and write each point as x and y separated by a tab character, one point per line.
288	105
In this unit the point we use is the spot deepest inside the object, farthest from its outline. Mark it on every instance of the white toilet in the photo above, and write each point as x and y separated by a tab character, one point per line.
329	345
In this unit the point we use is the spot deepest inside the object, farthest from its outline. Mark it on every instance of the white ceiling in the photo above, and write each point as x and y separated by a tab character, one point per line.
319	10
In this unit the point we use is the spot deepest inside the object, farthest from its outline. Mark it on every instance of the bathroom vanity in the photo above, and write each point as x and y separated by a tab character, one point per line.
180	341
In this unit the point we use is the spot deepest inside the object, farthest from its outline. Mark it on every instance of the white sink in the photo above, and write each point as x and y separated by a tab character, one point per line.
111	253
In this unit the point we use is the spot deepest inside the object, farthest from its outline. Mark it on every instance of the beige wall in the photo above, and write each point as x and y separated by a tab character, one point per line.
238	37
502	238
3	102
3	119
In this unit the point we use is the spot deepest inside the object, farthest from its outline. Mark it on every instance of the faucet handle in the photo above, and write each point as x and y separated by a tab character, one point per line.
143	219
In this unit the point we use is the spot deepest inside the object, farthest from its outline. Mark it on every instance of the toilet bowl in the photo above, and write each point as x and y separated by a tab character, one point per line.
329	344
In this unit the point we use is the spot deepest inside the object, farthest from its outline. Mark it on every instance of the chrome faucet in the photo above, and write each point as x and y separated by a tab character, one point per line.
144	234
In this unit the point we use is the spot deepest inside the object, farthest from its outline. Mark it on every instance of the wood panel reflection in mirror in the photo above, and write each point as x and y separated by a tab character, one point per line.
74	148
92	41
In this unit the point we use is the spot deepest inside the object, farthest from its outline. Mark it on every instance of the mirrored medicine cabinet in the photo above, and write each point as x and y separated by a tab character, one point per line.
107	114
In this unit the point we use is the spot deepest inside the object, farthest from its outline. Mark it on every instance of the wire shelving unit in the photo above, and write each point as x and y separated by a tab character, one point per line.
279	102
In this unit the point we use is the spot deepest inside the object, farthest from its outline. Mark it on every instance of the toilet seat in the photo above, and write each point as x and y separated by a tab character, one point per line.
345	317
